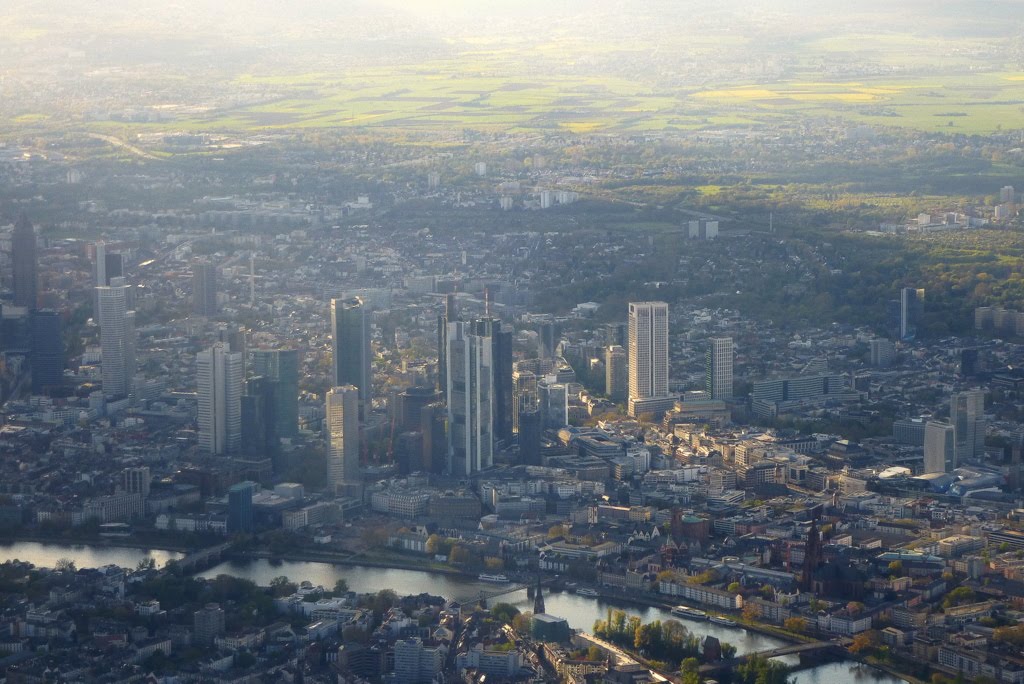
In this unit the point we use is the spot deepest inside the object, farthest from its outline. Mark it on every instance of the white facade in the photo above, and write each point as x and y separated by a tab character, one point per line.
220	383
648	351
117	339
470	383
719	367
342	426
939	447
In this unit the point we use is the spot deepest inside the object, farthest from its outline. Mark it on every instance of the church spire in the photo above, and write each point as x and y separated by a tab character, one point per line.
538	599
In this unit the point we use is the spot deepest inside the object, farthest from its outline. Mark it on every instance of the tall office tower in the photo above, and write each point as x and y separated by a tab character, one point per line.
883	353
554	403
219	387
718	367
342	425
967	415
547	339
434	428
1007	195
529	437
117	338
410	405
24	263
450	315
524	395
105	266
939	447
470	400
501	369
136	481
616	373
259	421
281	366
240	506
350	330
47	354
648	358
204	289
911	305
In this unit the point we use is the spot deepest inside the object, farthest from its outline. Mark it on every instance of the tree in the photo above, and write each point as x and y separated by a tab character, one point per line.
504	612
734	588
65	565
144	564
594	653
557	531
795	624
865	642
958	596
751	612
896	568
521	622
340	587
282	586
854	607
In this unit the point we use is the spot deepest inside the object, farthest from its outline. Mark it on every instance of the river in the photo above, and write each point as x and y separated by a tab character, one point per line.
579	611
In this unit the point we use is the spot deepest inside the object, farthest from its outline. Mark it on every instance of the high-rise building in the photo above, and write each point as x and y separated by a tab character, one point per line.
434	428
350	330
417	663
281	366
547	339
410	405
105	267
911	305
117	338
648	358
24	263
47	354
240	506
524	394
136	481
470	399
616	373
342	425
883	353
450	315
204	289
718	367
220	383
208	624
939	447
501	369
554	403
967	415
529	437
259	421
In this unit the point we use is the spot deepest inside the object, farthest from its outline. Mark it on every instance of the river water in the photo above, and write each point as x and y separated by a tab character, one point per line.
581	612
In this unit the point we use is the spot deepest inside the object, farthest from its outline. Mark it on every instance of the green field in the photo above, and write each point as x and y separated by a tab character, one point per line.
431	99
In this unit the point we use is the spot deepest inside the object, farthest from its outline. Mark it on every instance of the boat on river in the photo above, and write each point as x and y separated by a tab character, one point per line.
722	620
688	612
497	579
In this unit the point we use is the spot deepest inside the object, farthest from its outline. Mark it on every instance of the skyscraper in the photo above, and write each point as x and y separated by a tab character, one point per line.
450	315
718	366
350	330
281	366
240	506
911	305
967	415
547	339
501	369
24	263
204	289
470	400
524	394
616	373
219	387
342	426
648	358
47	355
105	267
117	338
259	420
554	403
939	447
